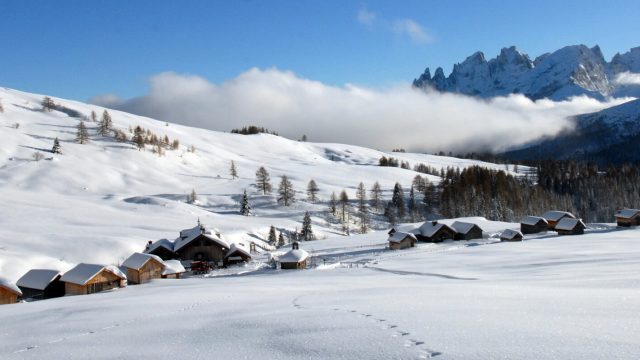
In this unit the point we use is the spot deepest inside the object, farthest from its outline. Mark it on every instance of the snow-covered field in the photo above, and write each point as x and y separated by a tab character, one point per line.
545	298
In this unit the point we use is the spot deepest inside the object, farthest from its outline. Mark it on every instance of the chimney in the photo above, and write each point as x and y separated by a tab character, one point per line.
434	222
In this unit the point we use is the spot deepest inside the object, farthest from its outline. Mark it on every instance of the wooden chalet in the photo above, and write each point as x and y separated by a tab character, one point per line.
294	258
162	248
173	269
533	225
628	217
142	268
511	235
198	244
568	226
9	292
433	231
401	240
553	217
39	284
466	231
236	255
92	278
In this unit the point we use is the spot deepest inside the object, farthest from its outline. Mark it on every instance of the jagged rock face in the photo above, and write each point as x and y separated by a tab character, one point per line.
570	71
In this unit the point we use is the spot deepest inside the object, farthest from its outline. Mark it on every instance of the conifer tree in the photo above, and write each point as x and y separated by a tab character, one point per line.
312	191
286	192
376	194
192	198
233	171
263	181
397	199
281	240
272	236
138	137
82	135
390	213
307	232
344	201
105	124
413	206
361	195
94	116
333	204
245	207
48	104
56	147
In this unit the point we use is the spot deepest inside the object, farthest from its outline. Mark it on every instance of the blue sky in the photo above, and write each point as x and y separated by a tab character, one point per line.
78	49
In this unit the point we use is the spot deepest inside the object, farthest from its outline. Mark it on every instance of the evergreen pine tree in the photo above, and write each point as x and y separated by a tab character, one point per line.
48	104
94	116
413	206
233	171
138	137
312	191
272	236
361	195
286	192
263	181
82	135
333	204
307	232
192	198
56	147
376	194
390	213
344	201
397	199
245	207
281	240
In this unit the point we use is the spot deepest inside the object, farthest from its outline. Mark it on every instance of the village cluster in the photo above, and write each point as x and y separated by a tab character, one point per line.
202	250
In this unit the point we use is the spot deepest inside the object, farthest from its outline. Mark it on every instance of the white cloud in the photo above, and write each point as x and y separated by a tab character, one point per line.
628	78
396	117
412	29
366	17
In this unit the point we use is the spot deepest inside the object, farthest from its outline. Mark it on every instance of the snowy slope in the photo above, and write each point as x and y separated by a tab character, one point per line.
104	200
570	71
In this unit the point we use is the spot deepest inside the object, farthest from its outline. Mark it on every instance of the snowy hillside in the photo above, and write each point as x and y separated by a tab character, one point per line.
570	71
101	201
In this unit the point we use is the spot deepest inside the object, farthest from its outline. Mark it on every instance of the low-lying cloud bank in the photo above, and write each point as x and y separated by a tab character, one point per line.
396	117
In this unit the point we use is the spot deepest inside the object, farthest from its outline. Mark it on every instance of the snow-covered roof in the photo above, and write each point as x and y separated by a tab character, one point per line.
38	279
180	243
533	220
462	227
6	284
555	215
428	229
568	224
510	234
168	244
137	260
627	213
293	256
173	267
235	249
82	273
398	236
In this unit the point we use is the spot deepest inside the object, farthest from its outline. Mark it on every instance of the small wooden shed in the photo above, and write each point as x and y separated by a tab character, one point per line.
568	226
173	269
236	255
553	217
511	235
401	240
466	231
433	231
294	258
92	278
533	225
9	292
628	217
39	284
142	268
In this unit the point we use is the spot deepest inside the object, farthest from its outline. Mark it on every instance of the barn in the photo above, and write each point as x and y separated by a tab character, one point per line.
294	258
142	268
39	284
466	231
433	231
401	240
568	226
92	278
236	255
162	248
199	244
511	235
554	216
173	269
9	292
628	217
533	225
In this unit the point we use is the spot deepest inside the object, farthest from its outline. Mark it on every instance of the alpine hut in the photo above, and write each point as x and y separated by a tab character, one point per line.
92	278
401	240
568	226
433	231
9	292
533	225
162	248
553	217
142	268
294	258
173	269
628	217
236	255
466	231
200	244
39	284
511	235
